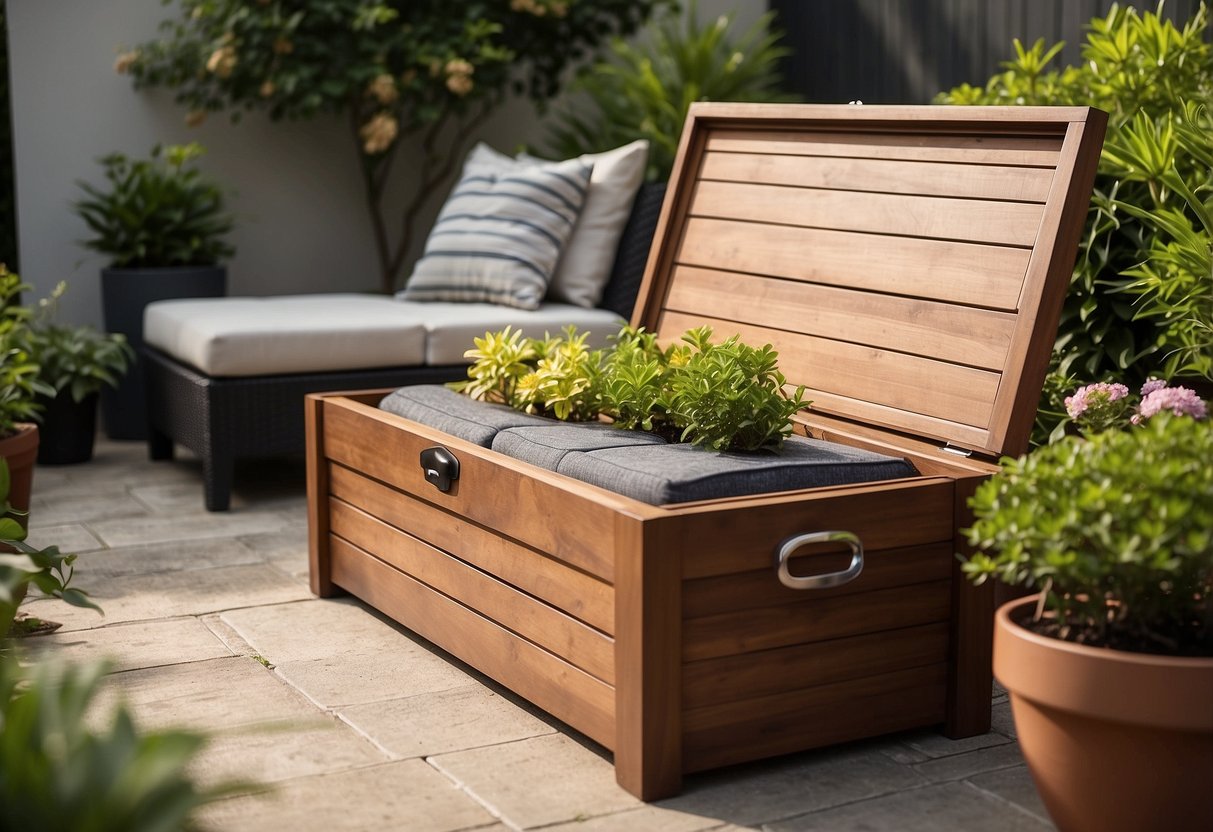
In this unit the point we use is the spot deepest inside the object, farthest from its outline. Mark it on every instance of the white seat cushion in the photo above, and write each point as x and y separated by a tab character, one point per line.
329	332
286	334
453	326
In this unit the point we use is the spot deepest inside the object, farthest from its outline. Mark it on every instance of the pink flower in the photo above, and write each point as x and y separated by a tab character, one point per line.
1178	400
1094	396
1151	385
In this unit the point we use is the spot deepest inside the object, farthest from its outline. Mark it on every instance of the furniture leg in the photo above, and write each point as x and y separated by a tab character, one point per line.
217	476
159	445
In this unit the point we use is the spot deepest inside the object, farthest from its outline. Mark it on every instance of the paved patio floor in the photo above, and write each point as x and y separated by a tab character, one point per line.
357	724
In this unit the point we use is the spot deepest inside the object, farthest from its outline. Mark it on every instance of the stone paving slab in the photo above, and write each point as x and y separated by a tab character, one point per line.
1015	786
455	719
960	766
169	529
139	645
174	594
316	628
339	681
638	820
539	781
942	807
78	505
407	795
178	556
72	538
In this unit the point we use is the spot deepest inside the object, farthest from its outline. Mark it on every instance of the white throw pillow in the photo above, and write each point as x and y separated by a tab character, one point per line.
501	232
585	266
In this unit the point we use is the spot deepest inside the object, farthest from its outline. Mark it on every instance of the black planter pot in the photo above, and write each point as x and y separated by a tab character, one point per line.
68	429
124	294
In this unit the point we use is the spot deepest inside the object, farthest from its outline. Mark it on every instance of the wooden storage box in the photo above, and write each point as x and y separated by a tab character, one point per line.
909	265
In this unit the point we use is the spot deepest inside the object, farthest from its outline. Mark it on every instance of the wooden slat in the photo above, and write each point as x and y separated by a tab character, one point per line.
648	750
556	515
971	220
971	673
967	273
960	334
881	175
742	536
989	150
761	588
771	672
843	712
319	565
871	413
562	690
571	590
813	620
548	627
905	382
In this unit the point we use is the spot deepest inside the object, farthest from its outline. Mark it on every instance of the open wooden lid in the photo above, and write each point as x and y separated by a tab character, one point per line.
908	263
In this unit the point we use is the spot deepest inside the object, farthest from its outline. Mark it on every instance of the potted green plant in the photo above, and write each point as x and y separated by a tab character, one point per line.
162	224
1110	666
75	362
19	385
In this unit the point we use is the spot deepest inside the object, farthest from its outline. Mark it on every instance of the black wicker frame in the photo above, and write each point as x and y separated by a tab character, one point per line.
225	419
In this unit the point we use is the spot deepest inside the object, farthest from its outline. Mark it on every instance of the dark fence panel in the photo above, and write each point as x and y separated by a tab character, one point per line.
906	51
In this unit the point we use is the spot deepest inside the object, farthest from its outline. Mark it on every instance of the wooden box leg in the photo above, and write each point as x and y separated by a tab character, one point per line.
319	561
970	677
648	660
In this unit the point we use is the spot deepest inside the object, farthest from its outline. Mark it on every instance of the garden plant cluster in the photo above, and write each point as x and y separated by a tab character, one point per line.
726	396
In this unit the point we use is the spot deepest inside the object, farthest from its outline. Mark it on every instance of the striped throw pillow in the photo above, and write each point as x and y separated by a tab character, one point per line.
500	234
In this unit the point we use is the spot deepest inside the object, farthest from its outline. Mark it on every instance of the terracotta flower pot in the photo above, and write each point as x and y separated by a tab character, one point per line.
1114	740
19	451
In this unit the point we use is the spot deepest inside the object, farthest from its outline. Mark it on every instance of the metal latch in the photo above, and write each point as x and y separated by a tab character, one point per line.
440	466
952	449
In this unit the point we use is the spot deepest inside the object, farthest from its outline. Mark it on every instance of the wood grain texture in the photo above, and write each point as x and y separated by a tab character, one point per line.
965	273
735	732
551	629
769	672
562	690
814	619
887	176
970	220
946	332
319	566
578	593
970	662
648	749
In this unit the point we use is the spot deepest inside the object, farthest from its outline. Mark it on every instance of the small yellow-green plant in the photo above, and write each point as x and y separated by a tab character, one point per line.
726	396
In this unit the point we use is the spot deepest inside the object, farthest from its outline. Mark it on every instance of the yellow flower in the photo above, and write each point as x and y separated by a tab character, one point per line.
267	88
378	134
222	61
195	117
460	85
124	62
383	89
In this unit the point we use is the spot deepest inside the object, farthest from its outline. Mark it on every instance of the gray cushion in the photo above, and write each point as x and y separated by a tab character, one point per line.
545	446
679	473
456	414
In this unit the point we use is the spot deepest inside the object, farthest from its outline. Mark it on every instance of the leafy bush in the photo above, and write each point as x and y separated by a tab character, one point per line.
78	359
726	396
19	382
1116	531
429	70
1142	291
643	91
154	212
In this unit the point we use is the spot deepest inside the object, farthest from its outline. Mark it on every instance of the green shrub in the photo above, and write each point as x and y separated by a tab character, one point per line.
643	91
159	211
78	359
1141	296
726	396
1116	531
19	383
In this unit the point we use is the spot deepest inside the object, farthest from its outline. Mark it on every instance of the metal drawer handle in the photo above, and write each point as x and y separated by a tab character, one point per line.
819	581
440	466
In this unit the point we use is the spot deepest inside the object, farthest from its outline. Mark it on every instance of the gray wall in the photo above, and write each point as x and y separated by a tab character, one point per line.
299	202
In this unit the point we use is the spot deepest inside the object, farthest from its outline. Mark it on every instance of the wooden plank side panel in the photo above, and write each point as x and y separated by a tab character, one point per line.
966	273
571	590
1033	151
772	672
562	690
893	379
727	537
761	588
810	718
923	178
972	220
958	334
319	563
536	507
815	619
551	629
